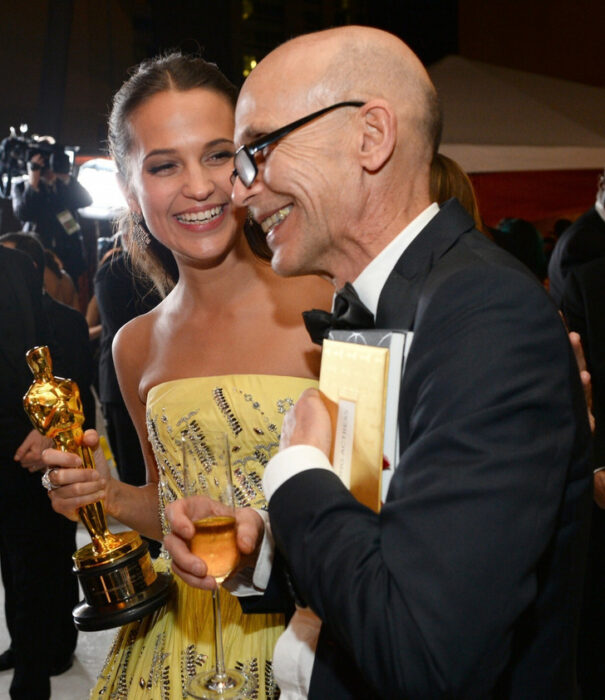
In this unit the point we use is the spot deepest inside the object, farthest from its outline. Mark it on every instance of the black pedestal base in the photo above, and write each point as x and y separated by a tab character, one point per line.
90	619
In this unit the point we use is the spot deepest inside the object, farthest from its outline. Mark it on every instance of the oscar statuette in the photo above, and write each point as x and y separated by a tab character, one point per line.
114	570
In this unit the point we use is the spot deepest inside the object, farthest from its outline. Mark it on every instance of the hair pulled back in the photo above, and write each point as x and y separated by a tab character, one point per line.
172	71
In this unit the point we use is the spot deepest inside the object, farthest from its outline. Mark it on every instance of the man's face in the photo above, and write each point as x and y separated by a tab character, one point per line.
300	195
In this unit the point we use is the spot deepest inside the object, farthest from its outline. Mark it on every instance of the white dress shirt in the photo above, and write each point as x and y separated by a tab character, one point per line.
295	650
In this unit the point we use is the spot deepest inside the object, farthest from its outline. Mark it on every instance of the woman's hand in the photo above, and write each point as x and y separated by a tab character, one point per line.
73	486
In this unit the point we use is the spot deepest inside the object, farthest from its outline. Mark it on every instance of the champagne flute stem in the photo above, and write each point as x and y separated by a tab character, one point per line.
218	634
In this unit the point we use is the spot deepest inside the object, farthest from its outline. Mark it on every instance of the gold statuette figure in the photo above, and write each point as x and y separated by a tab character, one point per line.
114	570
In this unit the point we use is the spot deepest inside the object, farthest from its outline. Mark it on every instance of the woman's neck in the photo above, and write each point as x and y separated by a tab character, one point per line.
223	283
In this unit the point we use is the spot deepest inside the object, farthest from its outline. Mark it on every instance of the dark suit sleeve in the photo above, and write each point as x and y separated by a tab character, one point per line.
424	595
27	202
572	306
278	596
582	307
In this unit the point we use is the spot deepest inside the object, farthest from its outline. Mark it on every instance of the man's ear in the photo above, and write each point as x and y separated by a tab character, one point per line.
379	135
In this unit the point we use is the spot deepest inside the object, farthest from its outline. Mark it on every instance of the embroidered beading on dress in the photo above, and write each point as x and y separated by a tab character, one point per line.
153	659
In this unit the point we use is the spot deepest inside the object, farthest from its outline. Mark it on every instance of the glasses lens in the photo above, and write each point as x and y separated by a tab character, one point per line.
245	167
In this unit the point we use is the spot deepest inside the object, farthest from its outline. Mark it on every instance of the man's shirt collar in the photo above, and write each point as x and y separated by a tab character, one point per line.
372	278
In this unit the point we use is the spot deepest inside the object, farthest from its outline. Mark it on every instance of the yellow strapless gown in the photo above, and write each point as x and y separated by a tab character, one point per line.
153	658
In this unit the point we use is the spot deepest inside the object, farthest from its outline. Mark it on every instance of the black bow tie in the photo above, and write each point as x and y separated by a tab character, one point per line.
349	313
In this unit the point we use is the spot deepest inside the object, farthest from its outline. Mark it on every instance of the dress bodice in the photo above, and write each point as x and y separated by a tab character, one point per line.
249	408
154	657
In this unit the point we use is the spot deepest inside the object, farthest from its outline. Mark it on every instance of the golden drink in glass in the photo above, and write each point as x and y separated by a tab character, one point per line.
214	541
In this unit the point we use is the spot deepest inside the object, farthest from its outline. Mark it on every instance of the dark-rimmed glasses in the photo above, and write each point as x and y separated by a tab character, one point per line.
244	160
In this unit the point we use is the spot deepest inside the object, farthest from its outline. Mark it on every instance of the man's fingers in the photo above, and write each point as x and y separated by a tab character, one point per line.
180	521
599	488
250	530
190	568
307	423
183	512
206	583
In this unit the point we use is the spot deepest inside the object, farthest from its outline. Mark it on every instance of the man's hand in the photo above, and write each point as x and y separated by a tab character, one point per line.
599	488
183	513
578	350
308	423
29	452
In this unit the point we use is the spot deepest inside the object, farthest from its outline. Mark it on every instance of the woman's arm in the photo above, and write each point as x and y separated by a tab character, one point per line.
134	506
129	353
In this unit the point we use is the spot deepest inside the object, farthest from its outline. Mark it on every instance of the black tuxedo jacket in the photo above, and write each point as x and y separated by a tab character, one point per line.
582	242
23	325
582	305
584	310
467	583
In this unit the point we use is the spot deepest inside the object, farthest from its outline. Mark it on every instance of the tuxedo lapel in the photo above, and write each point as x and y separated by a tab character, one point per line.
398	300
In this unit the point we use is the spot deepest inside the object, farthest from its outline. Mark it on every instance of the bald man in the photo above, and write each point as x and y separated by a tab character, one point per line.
467	583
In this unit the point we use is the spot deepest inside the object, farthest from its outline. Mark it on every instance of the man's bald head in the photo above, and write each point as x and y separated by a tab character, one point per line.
353	63
332	192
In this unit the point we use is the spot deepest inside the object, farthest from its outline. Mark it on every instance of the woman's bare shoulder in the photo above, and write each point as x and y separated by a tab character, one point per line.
133	337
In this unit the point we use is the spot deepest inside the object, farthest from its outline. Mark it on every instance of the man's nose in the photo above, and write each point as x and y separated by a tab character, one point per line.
241	195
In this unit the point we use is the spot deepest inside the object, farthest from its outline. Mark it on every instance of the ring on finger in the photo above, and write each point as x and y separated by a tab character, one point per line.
46	482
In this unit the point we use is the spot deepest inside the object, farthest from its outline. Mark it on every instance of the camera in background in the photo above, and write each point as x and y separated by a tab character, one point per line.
16	151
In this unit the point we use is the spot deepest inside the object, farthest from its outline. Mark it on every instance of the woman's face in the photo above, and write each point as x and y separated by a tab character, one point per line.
179	165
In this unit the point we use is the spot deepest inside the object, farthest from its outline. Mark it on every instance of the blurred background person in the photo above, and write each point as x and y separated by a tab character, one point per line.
580	243
121	294
584	312
448	179
47	202
551	237
35	543
67	325
523	240
57	282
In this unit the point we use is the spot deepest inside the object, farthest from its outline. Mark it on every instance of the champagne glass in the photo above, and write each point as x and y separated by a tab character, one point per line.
207	470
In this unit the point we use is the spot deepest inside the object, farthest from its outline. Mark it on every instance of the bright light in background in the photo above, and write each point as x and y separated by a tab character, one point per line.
249	65
98	176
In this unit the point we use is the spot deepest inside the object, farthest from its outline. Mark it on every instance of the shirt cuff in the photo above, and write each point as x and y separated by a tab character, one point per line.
264	561
288	463
253	580
598	469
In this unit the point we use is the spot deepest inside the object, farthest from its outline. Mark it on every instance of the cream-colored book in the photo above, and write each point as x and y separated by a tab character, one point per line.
353	380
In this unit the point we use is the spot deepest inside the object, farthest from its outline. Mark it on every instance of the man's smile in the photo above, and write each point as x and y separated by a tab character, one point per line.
276	218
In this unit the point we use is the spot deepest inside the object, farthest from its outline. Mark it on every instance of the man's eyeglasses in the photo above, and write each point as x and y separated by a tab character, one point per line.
244	160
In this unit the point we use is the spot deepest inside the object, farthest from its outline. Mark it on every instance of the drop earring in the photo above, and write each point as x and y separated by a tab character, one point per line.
139	229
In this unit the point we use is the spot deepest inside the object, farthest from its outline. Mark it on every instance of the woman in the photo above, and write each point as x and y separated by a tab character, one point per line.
225	349
448	179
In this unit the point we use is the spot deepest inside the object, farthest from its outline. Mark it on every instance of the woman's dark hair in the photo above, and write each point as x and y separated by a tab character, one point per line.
173	71
30	244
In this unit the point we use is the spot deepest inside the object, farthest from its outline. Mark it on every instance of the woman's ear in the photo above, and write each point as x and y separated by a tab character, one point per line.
129	196
379	135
